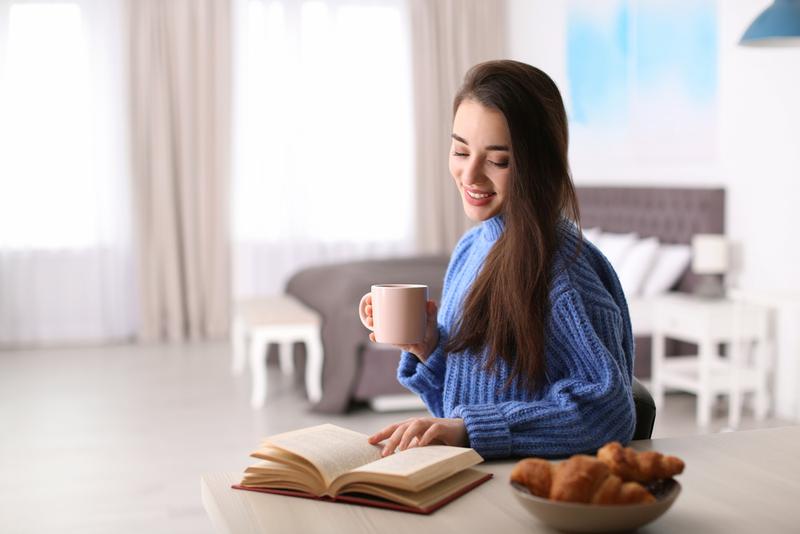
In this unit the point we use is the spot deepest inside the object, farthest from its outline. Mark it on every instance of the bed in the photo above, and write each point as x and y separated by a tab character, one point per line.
673	215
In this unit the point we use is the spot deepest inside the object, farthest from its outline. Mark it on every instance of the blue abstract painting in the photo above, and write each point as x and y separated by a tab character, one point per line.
642	72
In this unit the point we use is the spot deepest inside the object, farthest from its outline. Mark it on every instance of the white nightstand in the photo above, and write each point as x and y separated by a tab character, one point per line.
708	323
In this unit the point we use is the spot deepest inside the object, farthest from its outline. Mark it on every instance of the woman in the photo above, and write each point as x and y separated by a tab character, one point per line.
532	351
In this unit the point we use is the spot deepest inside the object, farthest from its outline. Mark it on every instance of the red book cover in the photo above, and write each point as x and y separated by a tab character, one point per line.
369	500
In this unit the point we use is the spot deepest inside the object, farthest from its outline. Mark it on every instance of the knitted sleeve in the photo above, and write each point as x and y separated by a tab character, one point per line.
590	404
426	379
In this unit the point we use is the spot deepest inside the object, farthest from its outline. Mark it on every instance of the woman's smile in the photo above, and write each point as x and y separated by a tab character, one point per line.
476	197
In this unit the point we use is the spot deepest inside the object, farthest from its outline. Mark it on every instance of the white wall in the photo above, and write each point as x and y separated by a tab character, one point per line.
760	149
758	158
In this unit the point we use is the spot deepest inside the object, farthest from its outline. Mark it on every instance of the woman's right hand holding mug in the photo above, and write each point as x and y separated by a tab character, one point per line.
429	342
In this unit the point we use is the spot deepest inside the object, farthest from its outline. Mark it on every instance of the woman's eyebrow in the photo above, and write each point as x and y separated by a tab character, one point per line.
502	148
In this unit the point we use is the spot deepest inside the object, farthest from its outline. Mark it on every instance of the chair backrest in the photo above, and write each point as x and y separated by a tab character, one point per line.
645	411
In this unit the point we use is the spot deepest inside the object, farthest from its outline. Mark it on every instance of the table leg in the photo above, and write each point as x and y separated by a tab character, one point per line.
258	368
704	393
736	363
762	395
314	362
735	389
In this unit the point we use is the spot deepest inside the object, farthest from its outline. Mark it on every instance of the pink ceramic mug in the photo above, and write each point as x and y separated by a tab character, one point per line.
398	313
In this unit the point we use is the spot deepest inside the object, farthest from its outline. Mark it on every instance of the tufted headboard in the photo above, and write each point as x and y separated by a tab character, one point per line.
673	215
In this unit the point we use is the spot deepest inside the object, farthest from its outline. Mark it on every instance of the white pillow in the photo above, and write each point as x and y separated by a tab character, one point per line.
615	247
637	265
670	264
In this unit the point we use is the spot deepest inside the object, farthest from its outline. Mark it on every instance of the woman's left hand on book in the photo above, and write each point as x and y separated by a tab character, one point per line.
421	431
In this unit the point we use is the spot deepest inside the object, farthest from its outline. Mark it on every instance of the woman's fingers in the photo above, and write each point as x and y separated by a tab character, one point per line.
434	431
431	309
386	431
414	430
419	432
372	337
392	442
370	322
368	310
383	433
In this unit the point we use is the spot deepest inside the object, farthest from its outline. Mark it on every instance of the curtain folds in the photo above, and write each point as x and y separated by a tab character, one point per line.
180	65
448	36
66	265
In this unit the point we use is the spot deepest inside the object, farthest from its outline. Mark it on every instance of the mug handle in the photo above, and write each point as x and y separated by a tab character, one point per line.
362	311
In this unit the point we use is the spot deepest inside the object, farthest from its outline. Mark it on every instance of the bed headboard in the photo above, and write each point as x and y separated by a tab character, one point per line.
673	215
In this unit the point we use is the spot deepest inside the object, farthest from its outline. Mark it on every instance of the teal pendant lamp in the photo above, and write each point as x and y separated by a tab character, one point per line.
778	25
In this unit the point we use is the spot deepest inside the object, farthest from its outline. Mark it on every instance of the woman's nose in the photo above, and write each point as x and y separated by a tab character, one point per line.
473	173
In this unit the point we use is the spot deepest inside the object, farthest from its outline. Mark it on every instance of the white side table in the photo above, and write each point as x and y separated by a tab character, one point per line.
785	309
282	320
707	374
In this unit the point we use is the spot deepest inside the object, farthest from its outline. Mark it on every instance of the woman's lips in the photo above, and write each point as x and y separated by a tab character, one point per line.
481	200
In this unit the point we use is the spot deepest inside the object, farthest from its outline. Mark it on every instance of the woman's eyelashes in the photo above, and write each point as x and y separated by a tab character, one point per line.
499	164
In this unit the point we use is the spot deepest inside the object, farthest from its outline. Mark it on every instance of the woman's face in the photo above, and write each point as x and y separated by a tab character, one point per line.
479	159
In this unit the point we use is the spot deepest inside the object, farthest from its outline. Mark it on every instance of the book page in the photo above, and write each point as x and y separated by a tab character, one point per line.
333	450
412	469
288	459
275	475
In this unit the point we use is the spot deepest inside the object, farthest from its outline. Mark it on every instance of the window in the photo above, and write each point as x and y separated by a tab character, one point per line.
65	261
49	121
323	162
323	145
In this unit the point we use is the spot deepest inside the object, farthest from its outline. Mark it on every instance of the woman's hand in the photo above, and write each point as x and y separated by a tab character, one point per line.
421	431
420	350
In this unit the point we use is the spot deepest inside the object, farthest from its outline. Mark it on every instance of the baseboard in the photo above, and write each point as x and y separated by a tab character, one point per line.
396	403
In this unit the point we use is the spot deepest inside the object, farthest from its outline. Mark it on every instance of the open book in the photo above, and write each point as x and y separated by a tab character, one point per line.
334	463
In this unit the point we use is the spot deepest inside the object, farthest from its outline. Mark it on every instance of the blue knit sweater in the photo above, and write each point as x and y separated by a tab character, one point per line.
586	400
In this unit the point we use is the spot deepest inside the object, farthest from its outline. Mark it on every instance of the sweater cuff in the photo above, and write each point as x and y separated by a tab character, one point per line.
421	376
488	431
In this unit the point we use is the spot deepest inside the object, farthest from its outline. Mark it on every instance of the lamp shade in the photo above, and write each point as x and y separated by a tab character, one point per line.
778	25
709	254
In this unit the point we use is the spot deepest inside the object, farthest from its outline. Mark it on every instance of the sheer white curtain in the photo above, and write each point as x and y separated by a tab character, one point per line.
323	136
65	263
180	78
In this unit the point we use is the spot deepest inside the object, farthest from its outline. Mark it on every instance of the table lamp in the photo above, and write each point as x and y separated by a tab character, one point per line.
778	25
710	260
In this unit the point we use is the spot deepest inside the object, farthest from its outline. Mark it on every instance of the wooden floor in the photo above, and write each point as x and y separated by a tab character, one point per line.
114	439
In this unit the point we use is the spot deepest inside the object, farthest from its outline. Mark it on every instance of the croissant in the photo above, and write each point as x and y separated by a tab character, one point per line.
631	465
535	474
581	479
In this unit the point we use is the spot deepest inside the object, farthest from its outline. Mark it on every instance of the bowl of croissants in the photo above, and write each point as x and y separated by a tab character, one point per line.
620	489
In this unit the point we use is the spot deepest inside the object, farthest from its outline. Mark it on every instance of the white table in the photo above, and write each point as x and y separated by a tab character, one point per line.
734	482
283	320
708	323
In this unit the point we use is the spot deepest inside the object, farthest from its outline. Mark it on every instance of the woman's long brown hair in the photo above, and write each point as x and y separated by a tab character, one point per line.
507	307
